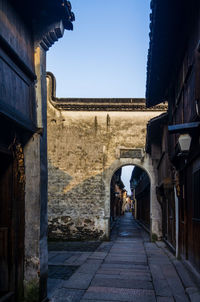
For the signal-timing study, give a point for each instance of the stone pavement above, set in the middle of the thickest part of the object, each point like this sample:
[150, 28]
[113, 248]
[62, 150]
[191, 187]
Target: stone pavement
[128, 268]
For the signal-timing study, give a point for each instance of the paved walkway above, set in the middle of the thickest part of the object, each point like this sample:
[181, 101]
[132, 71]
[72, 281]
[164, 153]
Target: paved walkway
[128, 268]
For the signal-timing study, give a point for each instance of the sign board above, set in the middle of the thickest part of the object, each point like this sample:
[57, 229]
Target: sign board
[131, 153]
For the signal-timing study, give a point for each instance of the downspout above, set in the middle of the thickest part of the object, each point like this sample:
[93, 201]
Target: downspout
[177, 222]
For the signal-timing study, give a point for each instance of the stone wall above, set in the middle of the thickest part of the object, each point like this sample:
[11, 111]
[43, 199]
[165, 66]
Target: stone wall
[82, 145]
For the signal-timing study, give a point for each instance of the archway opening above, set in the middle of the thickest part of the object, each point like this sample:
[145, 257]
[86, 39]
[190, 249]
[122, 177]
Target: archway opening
[130, 193]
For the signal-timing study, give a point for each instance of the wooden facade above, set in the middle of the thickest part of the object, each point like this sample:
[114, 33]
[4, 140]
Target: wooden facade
[116, 195]
[18, 122]
[140, 186]
[12, 219]
[157, 147]
[23, 142]
[177, 80]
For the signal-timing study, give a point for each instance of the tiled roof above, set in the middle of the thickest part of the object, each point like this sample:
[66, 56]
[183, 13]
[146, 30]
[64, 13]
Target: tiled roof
[169, 27]
[99, 104]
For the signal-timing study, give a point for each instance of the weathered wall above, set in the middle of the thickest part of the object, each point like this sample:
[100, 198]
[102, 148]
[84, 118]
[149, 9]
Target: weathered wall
[35, 155]
[81, 147]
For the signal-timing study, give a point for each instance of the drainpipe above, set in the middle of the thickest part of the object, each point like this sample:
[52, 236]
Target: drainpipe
[177, 222]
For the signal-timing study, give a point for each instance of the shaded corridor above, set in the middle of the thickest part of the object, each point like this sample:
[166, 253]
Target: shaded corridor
[128, 268]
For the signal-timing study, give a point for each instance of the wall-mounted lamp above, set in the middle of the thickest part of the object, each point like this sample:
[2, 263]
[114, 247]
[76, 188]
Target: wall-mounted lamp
[184, 141]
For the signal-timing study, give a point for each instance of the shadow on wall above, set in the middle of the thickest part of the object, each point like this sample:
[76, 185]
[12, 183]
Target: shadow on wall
[77, 214]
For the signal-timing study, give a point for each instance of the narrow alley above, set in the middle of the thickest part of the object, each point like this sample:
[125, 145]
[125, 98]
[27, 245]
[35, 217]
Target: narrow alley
[128, 268]
[120, 91]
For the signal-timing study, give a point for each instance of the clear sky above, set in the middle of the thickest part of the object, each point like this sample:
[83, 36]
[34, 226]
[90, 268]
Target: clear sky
[126, 176]
[106, 53]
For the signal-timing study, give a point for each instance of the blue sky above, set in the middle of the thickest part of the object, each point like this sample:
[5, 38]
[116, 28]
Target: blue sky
[106, 53]
[126, 176]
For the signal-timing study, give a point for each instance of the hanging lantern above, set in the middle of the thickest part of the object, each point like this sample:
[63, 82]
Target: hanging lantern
[184, 141]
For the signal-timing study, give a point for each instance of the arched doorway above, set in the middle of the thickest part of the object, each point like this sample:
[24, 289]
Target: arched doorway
[130, 192]
[155, 210]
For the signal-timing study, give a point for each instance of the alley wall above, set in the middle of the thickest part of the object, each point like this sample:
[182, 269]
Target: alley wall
[81, 146]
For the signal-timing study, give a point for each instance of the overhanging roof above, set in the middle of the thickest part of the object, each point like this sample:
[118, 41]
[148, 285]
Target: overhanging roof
[41, 13]
[155, 130]
[169, 28]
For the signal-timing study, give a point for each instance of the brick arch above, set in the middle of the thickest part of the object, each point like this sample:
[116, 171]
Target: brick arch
[155, 209]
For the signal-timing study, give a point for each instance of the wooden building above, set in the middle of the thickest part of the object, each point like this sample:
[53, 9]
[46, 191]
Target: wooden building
[140, 187]
[27, 30]
[116, 195]
[173, 75]
[157, 145]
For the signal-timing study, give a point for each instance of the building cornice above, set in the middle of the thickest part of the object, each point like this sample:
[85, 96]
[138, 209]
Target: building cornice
[52, 19]
[115, 104]
[98, 104]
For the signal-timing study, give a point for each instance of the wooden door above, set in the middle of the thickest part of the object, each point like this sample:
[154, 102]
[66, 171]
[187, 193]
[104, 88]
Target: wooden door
[193, 213]
[6, 200]
[11, 229]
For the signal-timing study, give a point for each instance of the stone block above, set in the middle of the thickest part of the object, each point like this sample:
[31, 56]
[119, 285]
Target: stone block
[165, 299]
[193, 293]
[162, 288]
[119, 294]
[121, 283]
[52, 285]
[183, 274]
[67, 295]
[78, 281]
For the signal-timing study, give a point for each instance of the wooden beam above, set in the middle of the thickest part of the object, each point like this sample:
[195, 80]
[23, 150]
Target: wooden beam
[11, 114]
[16, 58]
[183, 128]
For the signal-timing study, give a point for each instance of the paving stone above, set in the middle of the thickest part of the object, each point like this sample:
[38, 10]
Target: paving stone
[112, 258]
[125, 266]
[61, 272]
[59, 258]
[165, 299]
[80, 259]
[98, 255]
[84, 246]
[78, 281]
[194, 297]
[121, 283]
[89, 267]
[129, 272]
[128, 263]
[181, 298]
[150, 245]
[67, 295]
[173, 281]
[104, 247]
[51, 255]
[156, 271]
[119, 271]
[160, 244]
[160, 261]
[122, 252]
[83, 300]
[119, 294]
[53, 284]
[72, 259]
[162, 288]
[133, 276]
[183, 274]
